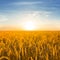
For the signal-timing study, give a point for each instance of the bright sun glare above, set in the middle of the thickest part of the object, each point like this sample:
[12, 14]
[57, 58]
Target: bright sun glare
[29, 25]
[29, 22]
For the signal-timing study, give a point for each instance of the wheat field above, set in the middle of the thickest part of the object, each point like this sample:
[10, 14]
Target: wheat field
[29, 45]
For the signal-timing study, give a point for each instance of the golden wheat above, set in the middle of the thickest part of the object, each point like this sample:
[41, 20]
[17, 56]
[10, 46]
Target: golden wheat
[30, 45]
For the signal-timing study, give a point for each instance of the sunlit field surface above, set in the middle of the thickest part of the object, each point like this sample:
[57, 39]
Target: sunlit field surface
[29, 45]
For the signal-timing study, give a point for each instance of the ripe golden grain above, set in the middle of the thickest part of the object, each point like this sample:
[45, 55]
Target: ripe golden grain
[26, 45]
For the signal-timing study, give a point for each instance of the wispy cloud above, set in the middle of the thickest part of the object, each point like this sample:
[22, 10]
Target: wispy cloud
[27, 3]
[3, 18]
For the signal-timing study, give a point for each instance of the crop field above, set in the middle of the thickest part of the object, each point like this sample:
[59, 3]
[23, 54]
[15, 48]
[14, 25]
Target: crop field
[29, 45]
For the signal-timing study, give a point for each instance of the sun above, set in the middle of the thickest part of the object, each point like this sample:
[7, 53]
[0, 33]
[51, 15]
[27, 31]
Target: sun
[29, 25]
[30, 22]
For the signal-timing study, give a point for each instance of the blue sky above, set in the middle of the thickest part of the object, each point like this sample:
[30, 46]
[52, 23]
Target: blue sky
[12, 10]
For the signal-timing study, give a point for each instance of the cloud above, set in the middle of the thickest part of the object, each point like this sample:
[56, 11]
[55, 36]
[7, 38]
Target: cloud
[26, 3]
[29, 15]
[3, 18]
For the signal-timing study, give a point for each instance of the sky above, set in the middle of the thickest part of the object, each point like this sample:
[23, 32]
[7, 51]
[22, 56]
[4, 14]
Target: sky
[45, 14]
